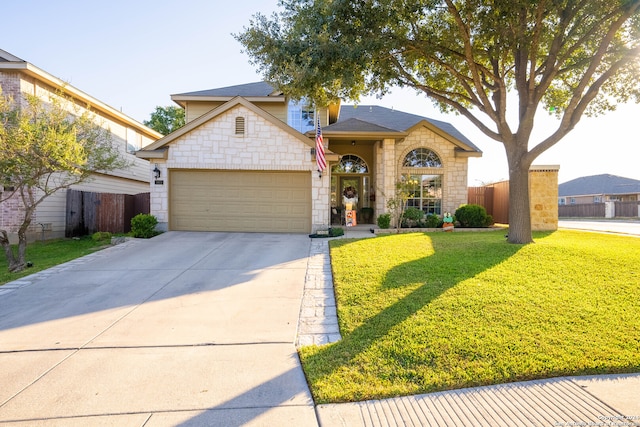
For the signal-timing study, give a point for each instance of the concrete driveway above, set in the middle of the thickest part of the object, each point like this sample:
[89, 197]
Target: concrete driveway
[181, 329]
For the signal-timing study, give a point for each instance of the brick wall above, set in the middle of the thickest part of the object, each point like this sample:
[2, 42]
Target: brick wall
[11, 212]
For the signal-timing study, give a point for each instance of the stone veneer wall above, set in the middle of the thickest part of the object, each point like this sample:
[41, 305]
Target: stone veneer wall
[264, 146]
[454, 170]
[543, 197]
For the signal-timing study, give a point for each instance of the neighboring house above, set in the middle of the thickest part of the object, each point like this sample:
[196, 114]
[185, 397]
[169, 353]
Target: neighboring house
[598, 189]
[18, 77]
[244, 162]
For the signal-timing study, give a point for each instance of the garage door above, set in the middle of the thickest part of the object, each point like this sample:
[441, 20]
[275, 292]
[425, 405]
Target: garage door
[252, 201]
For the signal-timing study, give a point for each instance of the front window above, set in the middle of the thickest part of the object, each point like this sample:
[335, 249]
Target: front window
[300, 116]
[425, 192]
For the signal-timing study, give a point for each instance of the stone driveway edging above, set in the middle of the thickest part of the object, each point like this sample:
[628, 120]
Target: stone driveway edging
[318, 320]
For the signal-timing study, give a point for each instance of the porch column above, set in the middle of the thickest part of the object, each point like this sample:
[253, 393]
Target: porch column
[385, 173]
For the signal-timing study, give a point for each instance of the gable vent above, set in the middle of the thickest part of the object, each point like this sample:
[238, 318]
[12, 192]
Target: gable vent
[240, 126]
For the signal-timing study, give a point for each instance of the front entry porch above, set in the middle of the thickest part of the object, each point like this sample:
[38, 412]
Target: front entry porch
[352, 192]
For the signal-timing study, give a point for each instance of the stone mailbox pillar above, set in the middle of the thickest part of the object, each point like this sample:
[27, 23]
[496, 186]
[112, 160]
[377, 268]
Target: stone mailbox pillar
[543, 197]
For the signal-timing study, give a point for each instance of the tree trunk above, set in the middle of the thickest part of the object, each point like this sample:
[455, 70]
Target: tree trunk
[15, 264]
[519, 210]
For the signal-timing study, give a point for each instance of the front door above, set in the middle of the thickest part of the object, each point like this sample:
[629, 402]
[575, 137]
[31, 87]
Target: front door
[350, 192]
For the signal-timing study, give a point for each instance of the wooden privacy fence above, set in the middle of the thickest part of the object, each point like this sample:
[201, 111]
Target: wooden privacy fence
[89, 212]
[598, 210]
[628, 209]
[585, 210]
[494, 198]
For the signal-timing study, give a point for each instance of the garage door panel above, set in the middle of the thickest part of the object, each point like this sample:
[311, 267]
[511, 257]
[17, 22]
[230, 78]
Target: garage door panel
[240, 201]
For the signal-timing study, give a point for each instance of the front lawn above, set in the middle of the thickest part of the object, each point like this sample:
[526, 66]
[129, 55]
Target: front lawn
[426, 312]
[49, 253]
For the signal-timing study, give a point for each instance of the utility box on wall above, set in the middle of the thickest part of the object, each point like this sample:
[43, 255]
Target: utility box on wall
[543, 197]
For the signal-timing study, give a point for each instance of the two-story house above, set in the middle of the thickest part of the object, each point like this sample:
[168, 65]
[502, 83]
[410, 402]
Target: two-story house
[245, 161]
[19, 77]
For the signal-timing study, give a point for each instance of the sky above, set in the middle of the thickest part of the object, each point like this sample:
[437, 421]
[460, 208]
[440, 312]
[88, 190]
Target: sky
[133, 55]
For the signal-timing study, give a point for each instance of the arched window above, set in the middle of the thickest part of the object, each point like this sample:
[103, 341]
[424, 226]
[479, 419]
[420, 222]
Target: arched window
[350, 164]
[422, 158]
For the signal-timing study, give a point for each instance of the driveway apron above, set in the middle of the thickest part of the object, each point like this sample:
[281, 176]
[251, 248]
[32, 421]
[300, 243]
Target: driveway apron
[182, 329]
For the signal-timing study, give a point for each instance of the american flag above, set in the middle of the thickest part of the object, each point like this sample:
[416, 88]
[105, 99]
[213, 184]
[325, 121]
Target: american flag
[320, 159]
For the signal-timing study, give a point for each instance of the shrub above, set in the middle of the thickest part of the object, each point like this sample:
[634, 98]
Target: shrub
[432, 221]
[144, 225]
[101, 235]
[473, 216]
[384, 220]
[413, 214]
[412, 217]
[336, 231]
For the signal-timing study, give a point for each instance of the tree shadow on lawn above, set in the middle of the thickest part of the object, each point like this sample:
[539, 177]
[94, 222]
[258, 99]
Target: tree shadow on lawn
[456, 258]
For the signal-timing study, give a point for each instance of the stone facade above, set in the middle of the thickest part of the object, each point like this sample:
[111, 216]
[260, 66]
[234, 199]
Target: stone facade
[210, 142]
[543, 197]
[454, 169]
[390, 155]
[263, 147]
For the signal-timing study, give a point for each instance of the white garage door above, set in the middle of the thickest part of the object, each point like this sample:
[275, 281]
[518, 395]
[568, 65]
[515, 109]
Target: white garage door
[250, 201]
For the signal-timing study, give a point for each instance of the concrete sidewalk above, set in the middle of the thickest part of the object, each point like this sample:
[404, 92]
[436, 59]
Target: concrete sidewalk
[605, 400]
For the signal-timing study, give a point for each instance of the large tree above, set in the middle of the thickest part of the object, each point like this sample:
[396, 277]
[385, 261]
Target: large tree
[45, 147]
[499, 63]
[166, 119]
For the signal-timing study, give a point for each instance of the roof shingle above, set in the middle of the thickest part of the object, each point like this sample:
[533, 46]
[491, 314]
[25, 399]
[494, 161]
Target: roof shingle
[599, 184]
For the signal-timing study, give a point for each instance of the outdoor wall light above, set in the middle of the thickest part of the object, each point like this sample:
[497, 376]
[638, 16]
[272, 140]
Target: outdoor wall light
[156, 171]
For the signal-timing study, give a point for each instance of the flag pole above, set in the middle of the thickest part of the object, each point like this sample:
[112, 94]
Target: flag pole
[321, 161]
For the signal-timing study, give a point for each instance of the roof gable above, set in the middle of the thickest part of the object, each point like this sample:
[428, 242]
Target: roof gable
[401, 122]
[599, 184]
[211, 115]
[7, 57]
[359, 121]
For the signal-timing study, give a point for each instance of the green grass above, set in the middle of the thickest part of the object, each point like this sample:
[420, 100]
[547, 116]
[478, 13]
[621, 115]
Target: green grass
[426, 312]
[49, 253]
